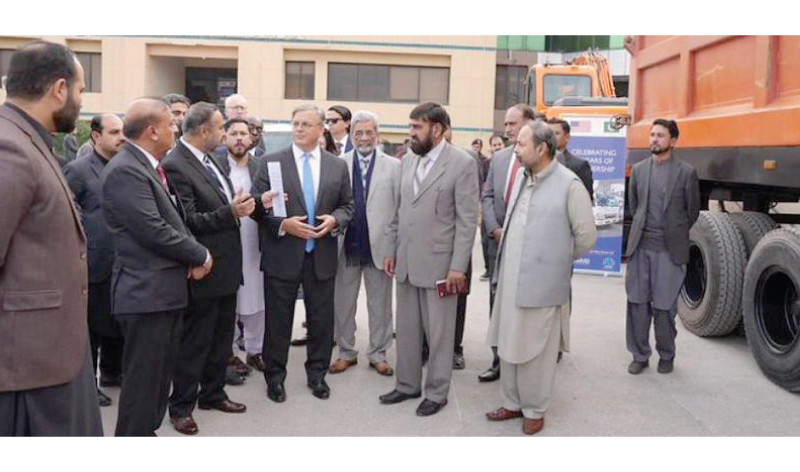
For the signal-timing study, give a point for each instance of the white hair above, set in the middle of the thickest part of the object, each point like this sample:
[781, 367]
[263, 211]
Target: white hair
[363, 116]
[232, 97]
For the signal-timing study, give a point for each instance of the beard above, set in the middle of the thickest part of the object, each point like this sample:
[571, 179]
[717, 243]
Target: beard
[657, 150]
[365, 150]
[238, 151]
[421, 148]
[66, 118]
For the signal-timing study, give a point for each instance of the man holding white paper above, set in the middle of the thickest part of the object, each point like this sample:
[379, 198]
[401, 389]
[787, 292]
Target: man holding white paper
[301, 248]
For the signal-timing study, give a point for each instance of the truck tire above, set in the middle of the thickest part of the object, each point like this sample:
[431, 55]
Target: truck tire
[752, 225]
[772, 307]
[710, 300]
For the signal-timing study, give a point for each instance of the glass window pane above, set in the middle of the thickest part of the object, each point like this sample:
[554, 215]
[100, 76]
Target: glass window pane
[500, 88]
[342, 82]
[299, 83]
[404, 84]
[97, 73]
[307, 80]
[373, 83]
[558, 86]
[434, 84]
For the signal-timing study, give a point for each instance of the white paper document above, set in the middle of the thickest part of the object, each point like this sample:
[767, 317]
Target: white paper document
[276, 184]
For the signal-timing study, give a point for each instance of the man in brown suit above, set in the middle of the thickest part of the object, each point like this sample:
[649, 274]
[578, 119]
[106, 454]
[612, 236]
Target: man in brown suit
[46, 382]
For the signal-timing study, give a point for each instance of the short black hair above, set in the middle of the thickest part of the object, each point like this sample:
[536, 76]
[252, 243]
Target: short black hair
[671, 125]
[36, 66]
[171, 98]
[342, 110]
[233, 121]
[497, 135]
[558, 121]
[97, 123]
[198, 115]
[477, 141]
[431, 112]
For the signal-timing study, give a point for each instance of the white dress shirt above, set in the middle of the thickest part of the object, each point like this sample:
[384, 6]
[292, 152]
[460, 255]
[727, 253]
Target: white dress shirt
[200, 155]
[343, 145]
[315, 165]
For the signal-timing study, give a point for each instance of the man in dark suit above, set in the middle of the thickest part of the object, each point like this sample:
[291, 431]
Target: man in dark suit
[579, 166]
[664, 198]
[46, 382]
[178, 106]
[212, 214]
[302, 248]
[494, 200]
[83, 176]
[337, 120]
[155, 253]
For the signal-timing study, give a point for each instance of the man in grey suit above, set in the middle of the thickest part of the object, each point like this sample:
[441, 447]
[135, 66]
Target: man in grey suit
[83, 176]
[496, 191]
[46, 382]
[155, 253]
[579, 166]
[664, 198]
[376, 195]
[435, 230]
[302, 248]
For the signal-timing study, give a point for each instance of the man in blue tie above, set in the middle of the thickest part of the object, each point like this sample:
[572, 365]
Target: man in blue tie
[301, 247]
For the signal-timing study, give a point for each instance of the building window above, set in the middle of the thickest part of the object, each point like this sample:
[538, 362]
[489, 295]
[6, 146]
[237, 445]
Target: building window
[299, 80]
[377, 83]
[92, 70]
[560, 86]
[575, 43]
[5, 62]
[509, 86]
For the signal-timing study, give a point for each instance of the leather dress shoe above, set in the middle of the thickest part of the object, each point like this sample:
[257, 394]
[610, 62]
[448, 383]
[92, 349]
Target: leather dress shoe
[226, 406]
[299, 341]
[665, 366]
[256, 361]
[530, 426]
[490, 375]
[560, 355]
[636, 367]
[110, 380]
[382, 367]
[102, 398]
[185, 425]
[232, 377]
[396, 396]
[341, 365]
[501, 414]
[276, 393]
[241, 368]
[428, 407]
[320, 389]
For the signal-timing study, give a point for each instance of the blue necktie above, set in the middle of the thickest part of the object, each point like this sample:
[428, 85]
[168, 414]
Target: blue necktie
[308, 194]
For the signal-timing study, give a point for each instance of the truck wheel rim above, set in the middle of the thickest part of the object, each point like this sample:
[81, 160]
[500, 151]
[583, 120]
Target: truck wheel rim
[777, 309]
[694, 285]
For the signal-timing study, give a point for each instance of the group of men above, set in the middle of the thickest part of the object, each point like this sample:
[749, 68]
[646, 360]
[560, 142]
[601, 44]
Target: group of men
[187, 229]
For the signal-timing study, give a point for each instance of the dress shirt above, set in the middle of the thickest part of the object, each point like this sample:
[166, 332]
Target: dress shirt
[315, 165]
[201, 157]
[434, 153]
[342, 145]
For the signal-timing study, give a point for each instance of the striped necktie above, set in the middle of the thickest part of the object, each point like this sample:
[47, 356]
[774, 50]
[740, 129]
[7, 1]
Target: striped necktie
[212, 174]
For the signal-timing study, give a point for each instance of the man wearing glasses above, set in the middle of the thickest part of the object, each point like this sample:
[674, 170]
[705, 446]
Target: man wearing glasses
[337, 121]
[301, 247]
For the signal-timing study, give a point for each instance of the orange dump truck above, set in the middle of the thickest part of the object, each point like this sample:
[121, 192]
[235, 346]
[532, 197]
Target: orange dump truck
[737, 103]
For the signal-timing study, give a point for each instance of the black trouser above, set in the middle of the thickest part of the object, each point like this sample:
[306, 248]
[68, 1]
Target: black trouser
[62, 410]
[203, 354]
[485, 247]
[148, 363]
[104, 332]
[492, 248]
[461, 314]
[281, 296]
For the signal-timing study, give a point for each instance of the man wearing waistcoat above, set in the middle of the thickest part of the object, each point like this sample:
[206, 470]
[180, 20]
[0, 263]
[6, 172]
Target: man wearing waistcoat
[550, 224]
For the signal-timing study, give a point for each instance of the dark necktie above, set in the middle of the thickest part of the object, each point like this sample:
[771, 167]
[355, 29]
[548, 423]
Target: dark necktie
[212, 174]
[162, 176]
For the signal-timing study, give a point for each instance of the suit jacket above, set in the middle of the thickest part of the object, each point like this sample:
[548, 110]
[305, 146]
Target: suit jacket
[383, 201]
[210, 219]
[682, 207]
[493, 199]
[436, 228]
[580, 167]
[154, 247]
[43, 273]
[282, 256]
[83, 177]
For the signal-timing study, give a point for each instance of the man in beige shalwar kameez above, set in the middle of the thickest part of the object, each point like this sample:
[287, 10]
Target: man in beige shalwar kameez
[550, 224]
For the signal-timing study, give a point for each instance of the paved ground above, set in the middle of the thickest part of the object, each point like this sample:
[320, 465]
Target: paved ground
[715, 390]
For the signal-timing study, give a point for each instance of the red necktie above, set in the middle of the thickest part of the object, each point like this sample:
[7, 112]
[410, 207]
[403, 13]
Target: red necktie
[163, 177]
[514, 169]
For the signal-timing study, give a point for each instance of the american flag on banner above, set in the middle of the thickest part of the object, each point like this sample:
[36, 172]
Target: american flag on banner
[580, 126]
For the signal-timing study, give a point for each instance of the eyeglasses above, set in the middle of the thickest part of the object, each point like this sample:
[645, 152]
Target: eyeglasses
[332, 121]
[305, 125]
